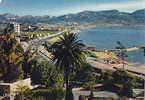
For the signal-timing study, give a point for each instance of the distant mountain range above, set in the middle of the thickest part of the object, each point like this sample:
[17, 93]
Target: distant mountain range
[95, 17]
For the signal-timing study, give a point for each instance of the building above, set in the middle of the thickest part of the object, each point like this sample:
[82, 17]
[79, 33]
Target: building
[16, 27]
[8, 91]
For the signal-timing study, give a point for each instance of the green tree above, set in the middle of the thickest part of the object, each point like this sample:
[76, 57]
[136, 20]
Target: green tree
[84, 74]
[125, 82]
[107, 79]
[28, 63]
[67, 55]
[10, 57]
[121, 54]
[47, 75]
[119, 81]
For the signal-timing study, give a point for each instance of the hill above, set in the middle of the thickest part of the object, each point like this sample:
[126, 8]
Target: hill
[96, 17]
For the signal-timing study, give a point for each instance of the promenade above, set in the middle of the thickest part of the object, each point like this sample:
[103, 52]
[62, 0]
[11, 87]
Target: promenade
[135, 68]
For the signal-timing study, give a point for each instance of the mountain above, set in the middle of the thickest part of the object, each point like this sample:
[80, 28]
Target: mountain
[105, 17]
[139, 16]
[96, 17]
[110, 16]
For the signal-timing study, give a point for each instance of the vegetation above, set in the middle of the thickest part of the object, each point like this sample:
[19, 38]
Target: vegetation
[42, 94]
[50, 80]
[11, 57]
[119, 81]
[15, 64]
[121, 55]
[84, 74]
[68, 67]
[90, 54]
[67, 53]
[82, 97]
[28, 63]
[47, 75]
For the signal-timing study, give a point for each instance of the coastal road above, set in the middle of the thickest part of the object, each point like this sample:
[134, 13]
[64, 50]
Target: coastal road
[136, 69]
[97, 64]
[37, 42]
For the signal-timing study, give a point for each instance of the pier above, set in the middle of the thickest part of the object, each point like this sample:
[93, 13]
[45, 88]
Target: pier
[118, 50]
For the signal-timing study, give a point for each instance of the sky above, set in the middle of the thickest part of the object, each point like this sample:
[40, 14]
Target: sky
[61, 7]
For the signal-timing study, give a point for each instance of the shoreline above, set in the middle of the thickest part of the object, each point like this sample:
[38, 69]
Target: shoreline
[89, 26]
[112, 62]
[93, 26]
[108, 60]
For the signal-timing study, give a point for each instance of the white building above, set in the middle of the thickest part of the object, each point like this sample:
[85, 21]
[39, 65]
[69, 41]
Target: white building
[16, 27]
[10, 90]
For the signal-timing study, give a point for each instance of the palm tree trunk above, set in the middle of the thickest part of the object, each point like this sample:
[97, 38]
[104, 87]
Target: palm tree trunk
[67, 83]
[67, 88]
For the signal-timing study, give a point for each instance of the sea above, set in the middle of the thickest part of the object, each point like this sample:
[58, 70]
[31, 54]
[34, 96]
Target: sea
[105, 37]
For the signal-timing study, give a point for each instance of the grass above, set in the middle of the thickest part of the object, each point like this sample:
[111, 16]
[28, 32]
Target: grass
[90, 54]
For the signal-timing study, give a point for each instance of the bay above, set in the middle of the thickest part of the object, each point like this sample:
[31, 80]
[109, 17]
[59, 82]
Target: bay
[105, 37]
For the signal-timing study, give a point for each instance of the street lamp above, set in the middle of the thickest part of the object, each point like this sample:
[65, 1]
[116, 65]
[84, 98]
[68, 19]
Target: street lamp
[144, 78]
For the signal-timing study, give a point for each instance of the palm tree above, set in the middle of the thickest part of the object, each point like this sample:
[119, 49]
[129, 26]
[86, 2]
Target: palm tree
[67, 55]
[121, 55]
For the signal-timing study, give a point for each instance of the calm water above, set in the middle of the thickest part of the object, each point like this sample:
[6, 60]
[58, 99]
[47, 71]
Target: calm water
[106, 37]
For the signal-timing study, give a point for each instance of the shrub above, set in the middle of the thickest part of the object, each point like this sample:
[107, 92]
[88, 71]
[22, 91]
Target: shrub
[89, 86]
[119, 81]
[90, 54]
[43, 94]
[85, 74]
[82, 97]
[47, 75]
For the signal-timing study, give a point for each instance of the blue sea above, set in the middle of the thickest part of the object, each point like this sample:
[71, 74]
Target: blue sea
[105, 37]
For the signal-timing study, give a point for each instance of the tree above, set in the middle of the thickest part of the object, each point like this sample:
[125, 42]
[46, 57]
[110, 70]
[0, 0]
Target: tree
[28, 63]
[67, 55]
[121, 54]
[127, 90]
[84, 74]
[121, 82]
[10, 56]
[47, 75]
[125, 81]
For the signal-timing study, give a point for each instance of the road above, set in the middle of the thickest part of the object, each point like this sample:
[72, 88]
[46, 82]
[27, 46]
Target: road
[97, 64]
[40, 41]
[137, 69]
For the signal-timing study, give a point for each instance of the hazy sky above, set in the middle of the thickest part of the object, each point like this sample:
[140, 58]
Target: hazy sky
[59, 7]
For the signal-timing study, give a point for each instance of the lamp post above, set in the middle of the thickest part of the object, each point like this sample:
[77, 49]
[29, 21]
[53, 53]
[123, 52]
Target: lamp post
[144, 77]
[144, 89]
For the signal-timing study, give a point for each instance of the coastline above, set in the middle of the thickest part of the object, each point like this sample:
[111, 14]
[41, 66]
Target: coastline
[85, 27]
[108, 60]
[90, 25]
